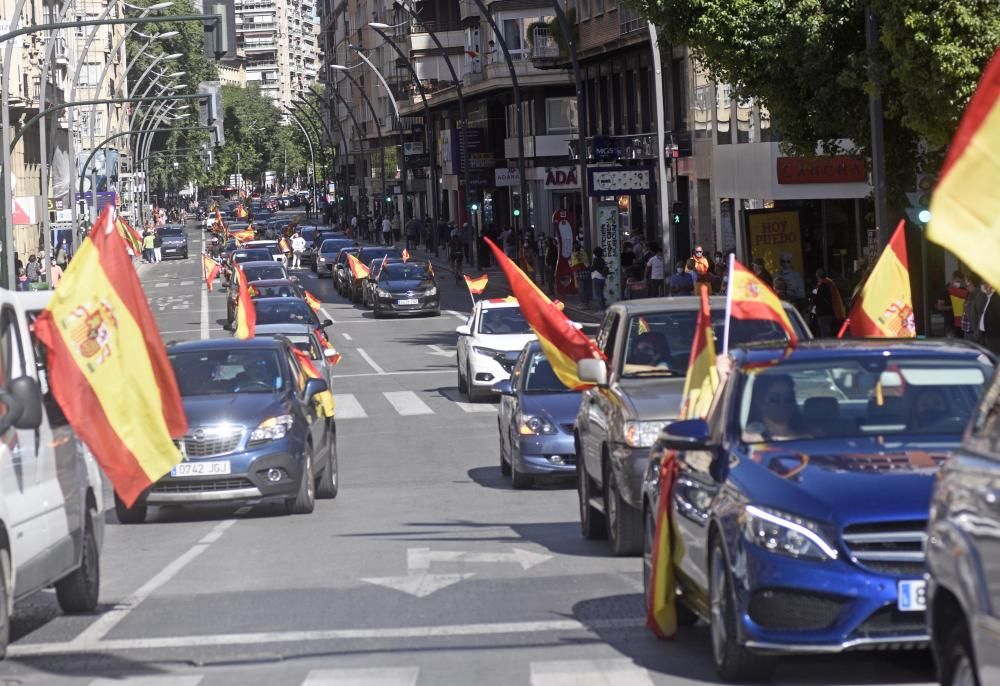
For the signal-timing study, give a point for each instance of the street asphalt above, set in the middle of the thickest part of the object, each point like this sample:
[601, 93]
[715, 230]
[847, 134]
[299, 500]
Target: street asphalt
[426, 569]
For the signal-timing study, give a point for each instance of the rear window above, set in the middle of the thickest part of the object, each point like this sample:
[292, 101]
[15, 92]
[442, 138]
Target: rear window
[405, 271]
[170, 231]
[264, 272]
[285, 311]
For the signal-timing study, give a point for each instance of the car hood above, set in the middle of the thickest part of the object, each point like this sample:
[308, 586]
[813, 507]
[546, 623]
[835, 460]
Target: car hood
[174, 240]
[844, 481]
[560, 408]
[247, 409]
[507, 342]
[407, 285]
[652, 397]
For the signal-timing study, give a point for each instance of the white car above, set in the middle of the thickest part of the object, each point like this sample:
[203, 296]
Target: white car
[488, 345]
[271, 246]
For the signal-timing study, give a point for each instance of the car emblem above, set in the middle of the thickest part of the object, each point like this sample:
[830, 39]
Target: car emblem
[199, 435]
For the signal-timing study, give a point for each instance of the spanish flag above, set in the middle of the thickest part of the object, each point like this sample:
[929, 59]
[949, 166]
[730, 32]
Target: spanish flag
[219, 224]
[116, 386]
[965, 206]
[313, 301]
[406, 255]
[210, 269]
[884, 307]
[243, 236]
[334, 359]
[324, 401]
[246, 312]
[358, 270]
[283, 245]
[699, 388]
[476, 285]
[132, 238]
[563, 344]
[749, 298]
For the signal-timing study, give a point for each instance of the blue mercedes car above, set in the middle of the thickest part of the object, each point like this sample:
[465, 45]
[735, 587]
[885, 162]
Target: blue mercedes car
[535, 421]
[801, 504]
[254, 429]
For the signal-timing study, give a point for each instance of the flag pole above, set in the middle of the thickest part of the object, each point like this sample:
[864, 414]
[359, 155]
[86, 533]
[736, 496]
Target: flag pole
[843, 329]
[729, 306]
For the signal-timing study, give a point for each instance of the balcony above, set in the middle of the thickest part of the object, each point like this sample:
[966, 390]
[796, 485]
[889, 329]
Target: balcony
[545, 52]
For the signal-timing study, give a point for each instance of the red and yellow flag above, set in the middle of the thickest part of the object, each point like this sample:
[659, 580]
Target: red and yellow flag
[132, 238]
[406, 255]
[219, 226]
[313, 301]
[243, 235]
[884, 307]
[476, 285]
[324, 401]
[965, 206]
[700, 385]
[563, 344]
[283, 245]
[209, 269]
[246, 312]
[358, 270]
[750, 298]
[334, 359]
[116, 386]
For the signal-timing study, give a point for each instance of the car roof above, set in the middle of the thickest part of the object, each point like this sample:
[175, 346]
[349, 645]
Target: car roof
[261, 243]
[284, 329]
[680, 303]
[267, 283]
[832, 348]
[227, 344]
[497, 303]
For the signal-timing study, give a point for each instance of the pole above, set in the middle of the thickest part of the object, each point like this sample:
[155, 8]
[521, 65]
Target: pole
[879, 191]
[319, 144]
[347, 153]
[309, 142]
[661, 143]
[6, 183]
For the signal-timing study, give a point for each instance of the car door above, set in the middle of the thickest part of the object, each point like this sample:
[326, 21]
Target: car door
[462, 346]
[595, 405]
[510, 405]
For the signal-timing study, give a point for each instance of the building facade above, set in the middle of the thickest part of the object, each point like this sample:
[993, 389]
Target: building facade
[279, 39]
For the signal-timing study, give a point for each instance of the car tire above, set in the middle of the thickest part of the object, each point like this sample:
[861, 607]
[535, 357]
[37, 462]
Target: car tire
[4, 604]
[79, 591]
[328, 481]
[518, 481]
[463, 387]
[959, 668]
[129, 515]
[624, 522]
[305, 501]
[470, 388]
[733, 662]
[682, 613]
[592, 523]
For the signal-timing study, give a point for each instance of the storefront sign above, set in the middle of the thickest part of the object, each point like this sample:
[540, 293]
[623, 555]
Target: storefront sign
[609, 238]
[562, 177]
[563, 228]
[506, 177]
[478, 152]
[605, 149]
[413, 148]
[775, 235]
[835, 169]
[616, 180]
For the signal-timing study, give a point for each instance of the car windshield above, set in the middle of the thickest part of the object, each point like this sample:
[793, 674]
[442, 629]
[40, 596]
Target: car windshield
[404, 271]
[262, 272]
[285, 311]
[334, 244]
[503, 320]
[170, 231]
[221, 372]
[860, 396]
[251, 256]
[659, 343]
[282, 290]
[308, 233]
[540, 378]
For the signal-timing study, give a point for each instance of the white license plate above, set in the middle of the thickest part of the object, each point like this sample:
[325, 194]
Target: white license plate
[911, 596]
[407, 301]
[211, 468]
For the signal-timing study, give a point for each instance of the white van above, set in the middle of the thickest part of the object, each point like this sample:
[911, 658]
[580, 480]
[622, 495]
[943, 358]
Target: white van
[51, 498]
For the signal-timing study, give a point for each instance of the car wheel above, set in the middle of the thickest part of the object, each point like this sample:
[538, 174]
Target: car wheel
[78, 592]
[624, 521]
[733, 662]
[959, 668]
[129, 515]
[462, 387]
[683, 615]
[518, 481]
[305, 501]
[327, 483]
[592, 524]
[470, 389]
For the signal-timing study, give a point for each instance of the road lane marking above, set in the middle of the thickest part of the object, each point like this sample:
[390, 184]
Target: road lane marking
[214, 640]
[327, 314]
[348, 407]
[204, 313]
[438, 350]
[158, 680]
[475, 408]
[376, 676]
[110, 619]
[162, 284]
[453, 313]
[347, 336]
[612, 672]
[368, 358]
[186, 283]
[407, 403]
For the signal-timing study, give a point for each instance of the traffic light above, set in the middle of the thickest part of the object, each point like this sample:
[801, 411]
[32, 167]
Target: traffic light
[677, 213]
[475, 206]
[517, 212]
[517, 205]
[919, 210]
[388, 198]
[474, 201]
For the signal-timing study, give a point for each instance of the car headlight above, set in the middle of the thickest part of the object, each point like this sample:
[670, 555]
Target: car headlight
[786, 534]
[531, 425]
[273, 428]
[431, 292]
[643, 434]
[322, 259]
[382, 293]
[487, 352]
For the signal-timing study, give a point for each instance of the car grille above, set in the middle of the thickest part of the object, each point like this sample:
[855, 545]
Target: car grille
[208, 442]
[201, 486]
[889, 548]
[890, 621]
[784, 610]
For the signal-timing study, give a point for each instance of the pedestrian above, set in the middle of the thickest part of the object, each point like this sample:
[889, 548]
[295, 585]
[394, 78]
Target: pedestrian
[412, 232]
[508, 243]
[701, 265]
[760, 270]
[551, 262]
[951, 303]
[395, 226]
[354, 226]
[32, 269]
[286, 249]
[57, 271]
[795, 287]
[387, 231]
[989, 322]
[655, 271]
[682, 280]
[598, 277]
[309, 207]
[157, 246]
[828, 306]
[974, 306]
[22, 280]
[467, 241]
[298, 247]
[579, 263]
[147, 246]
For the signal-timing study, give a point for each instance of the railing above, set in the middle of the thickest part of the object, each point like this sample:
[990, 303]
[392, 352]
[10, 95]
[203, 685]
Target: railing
[544, 45]
[629, 20]
[640, 146]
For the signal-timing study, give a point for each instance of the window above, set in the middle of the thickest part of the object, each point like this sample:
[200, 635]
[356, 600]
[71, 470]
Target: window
[90, 72]
[560, 115]
[723, 114]
[704, 103]
[744, 122]
[598, 7]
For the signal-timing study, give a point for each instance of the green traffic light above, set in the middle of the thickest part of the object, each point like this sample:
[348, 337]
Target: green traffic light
[517, 212]
[475, 207]
[924, 216]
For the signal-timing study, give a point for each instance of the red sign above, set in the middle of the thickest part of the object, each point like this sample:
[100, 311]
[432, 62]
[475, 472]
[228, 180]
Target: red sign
[836, 169]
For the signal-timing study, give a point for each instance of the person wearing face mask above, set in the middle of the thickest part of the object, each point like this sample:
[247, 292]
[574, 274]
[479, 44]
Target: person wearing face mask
[951, 303]
[682, 282]
[774, 413]
[701, 265]
[761, 271]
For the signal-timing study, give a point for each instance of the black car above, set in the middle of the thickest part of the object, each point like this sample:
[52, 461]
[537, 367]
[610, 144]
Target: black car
[406, 288]
[341, 271]
[287, 310]
[254, 432]
[277, 288]
[174, 241]
[367, 256]
[254, 271]
[324, 257]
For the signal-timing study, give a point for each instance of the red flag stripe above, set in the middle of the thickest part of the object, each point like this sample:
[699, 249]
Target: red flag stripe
[984, 99]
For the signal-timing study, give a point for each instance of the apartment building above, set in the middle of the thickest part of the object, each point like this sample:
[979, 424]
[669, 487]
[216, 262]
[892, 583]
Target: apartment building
[280, 41]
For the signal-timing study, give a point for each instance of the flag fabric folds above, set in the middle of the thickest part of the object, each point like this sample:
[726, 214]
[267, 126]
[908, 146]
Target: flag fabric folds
[358, 270]
[406, 255]
[700, 385]
[750, 298]
[324, 401]
[562, 342]
[313, 301]
[243, 235]
[210, 269]
[246, 312]
[476, 285]
[884, 306]
[965, 205]
[116, 385]
[334, 359]
[132, 237]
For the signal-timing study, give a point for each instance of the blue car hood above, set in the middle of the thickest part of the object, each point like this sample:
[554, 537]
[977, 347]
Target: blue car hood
[560, 408]
[843, 481]
[247, 409]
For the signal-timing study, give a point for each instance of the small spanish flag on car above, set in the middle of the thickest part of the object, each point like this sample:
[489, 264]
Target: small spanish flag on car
[210, 269]
[750, 298]
[313, 301]
[324, 401]
[246, 312]
[333, 359]
[358, 269]
[406, 255]
[476, 285]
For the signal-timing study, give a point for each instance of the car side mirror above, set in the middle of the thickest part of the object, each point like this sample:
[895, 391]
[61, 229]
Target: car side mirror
[314, 387]
[463, 330]
[12, 413]
[504, 387]
[687, 434]
[592, 370]
[329, 352]
[326, 323]
[29, 396]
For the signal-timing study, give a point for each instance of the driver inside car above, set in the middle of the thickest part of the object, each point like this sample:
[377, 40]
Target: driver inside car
[650, 350]
[258, 375]
[773, 411]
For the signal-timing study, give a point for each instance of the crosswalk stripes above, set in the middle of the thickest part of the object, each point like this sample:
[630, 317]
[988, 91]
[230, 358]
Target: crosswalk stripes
[612, 672]
[473, 408]
[377, 676]
[407, 403]
[348, 407]
[151, 680]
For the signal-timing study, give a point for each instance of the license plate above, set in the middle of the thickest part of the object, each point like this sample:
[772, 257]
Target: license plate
[407, 301]
[211, 468]
[911, 595]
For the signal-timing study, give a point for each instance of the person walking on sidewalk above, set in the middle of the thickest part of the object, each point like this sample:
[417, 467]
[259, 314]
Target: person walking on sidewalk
[455, 255]
[298, 247]
[580, 265]
[386, 231]
[157, 246]
[147, 246]
[654, 271]
[682, 282]
[598, 276]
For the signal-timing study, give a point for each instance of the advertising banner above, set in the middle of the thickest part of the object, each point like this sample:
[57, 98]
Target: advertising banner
[775, 237]
[609, 238]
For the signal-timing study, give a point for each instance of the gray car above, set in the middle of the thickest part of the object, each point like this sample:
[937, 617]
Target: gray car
[174, 241]
[647, 344]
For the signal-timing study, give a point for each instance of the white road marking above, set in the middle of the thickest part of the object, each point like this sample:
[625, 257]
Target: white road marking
[377, 676]
[158, 680]
[419, 584]
[327, 314]
[348, 407]
[204, 313]
[368, 358]
[476, 408]
[421, 558]
[110, 619]
[347, 336]
[186, 283]
[405, 373]
[177, 331]
[162, 284]
[453, 313]
[212, 640]
[612, 672]
[407, 403]
[438, 350]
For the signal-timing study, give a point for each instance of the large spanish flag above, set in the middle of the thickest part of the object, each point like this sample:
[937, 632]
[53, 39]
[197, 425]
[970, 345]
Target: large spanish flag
[476, 285]
[563, 344]
[116, 386]
[358, 269]
[750, 298]
[246, 312]
[884, 307]
[965, 206]
[699, 388]
[243, 235]
[313, 300]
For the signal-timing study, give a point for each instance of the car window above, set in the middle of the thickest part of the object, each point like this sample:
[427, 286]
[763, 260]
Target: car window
[261, 273]
[298, 377]
[608, 334]
[219, 372]
[539, 377]
[170, 231]
[284, 311]
[503, 320]
[404, 271]
[282, 291]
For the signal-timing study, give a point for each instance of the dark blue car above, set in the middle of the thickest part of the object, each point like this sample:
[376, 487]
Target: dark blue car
[802, 502]
[535, 421]
[254, 429]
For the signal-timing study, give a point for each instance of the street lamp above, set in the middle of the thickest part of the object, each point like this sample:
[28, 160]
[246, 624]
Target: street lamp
[347, 146]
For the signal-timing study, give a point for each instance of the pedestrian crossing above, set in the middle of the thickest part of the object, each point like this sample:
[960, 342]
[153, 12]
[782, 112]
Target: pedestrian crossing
[405, 404]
